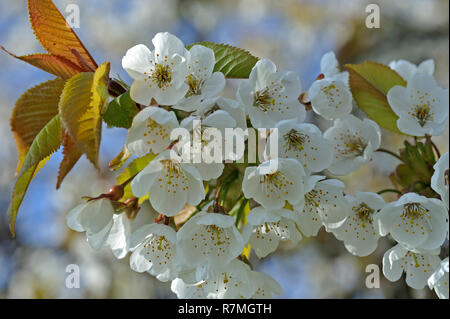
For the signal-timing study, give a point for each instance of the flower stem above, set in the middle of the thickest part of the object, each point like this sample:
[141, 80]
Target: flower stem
[389, 190]
[128, 180]
[390, 153]
[436, 149]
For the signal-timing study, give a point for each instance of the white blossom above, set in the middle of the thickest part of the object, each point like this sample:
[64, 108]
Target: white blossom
[354, 142]
[322, 205]
[209, 240]
[270, 95]
[417, 265]
[407, 69]
[422, 107]
[329, 67]
[155, 251]
[203, 83]
[266, 228]
[170, 182]
[230, 108]
[150, 131]
[266, 286]
[274, 182]
[232, 281]
[159, 74]
[123, 227]
[208, 123]
[414, 221]
[330, 96]
[359, 232]
[439, 280]
[95, 218]
[303, 142]
[439, 180]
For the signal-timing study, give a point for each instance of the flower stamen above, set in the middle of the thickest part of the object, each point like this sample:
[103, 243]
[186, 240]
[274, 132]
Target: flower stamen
[162, 75]
[295, 140]
[263, 100]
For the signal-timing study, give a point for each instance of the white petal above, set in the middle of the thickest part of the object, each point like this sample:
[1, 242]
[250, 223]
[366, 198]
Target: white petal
[137, 62]
[97, 215]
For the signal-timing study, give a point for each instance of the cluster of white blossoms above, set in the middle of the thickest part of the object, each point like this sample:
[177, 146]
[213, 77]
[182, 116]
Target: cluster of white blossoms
[283, 197]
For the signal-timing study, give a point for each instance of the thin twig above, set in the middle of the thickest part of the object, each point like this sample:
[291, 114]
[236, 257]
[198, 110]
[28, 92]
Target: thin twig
[438, 153]
[389, 190]
[390, 153]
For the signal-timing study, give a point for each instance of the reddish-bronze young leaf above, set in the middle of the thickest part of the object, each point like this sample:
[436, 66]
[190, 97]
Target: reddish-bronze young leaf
[52, 64]
[33, 110]
[72, 154]
[54, 33]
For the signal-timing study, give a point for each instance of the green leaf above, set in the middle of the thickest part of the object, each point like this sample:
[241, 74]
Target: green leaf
[121, 111]
[135, 167]
[45, 144]
[231, 61]
[370, 82]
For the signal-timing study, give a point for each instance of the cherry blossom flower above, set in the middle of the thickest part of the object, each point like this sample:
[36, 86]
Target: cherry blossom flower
[322, 205]
[208, 124]
[422, 107]
[123, 226]
[439, 280]
[159, 74]
[150, 131]
[232, 281]
[209, 240]
[154, 250]
[274, 182]
[359, 232]
[171, 183]
[305, 143]
[207, 111]
[95, 218]
[330, 96]
[417, 265]
[203, 83]
[188, 291]
[329, 67]
[439, 180]
[266, 228]
[407, 69]
[266, 286]
[354, 142]
[414, 221]
[270, 95]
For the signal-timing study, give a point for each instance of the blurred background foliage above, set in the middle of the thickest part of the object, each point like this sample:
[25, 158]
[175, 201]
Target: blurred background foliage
[294, 34]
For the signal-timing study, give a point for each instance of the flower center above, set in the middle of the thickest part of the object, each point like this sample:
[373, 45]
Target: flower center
[423, 114]
[263, 100]
[295, 140]
[174, 174]
[413, 211]
[311, 198]
[162, 75]
[162, 240]
[353, 146]
[217, 234]
[276, 179]
[195, 85]
[364, 213]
